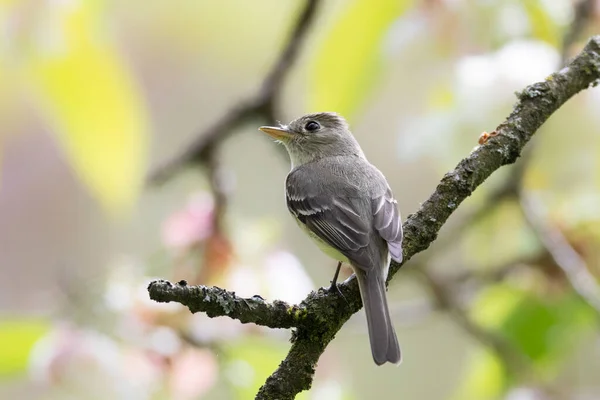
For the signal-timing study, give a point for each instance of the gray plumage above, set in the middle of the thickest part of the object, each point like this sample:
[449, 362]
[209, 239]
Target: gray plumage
[346, 205]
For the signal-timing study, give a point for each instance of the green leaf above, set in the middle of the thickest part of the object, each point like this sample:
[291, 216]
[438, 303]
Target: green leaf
[347, 63]
[17, 337]
[544, 329]
[91, 102]
[528, 326]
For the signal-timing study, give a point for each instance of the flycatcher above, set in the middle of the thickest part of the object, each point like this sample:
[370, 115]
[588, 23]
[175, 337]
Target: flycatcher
[346, 206]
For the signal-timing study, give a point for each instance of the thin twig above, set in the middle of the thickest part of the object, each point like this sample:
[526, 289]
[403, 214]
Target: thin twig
[491, 274]
[260, 105]
[573, 265]
[582, 11]
[219, 188]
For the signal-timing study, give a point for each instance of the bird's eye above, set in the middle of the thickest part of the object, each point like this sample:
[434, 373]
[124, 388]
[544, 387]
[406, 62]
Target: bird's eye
[312, 126]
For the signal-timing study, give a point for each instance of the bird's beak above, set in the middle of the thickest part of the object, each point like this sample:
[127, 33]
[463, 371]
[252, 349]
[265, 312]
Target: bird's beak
[276, 132]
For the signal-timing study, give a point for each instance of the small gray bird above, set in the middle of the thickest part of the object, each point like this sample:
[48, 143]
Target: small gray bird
[346, 206]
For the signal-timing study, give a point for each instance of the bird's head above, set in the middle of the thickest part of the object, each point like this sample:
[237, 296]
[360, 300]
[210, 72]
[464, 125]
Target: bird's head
[315, 136]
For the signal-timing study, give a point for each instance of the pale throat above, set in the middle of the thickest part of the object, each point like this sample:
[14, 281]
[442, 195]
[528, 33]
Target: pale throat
[300, 159]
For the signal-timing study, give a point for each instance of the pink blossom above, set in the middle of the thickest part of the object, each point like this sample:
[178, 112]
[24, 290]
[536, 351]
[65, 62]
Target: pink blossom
[191, 225]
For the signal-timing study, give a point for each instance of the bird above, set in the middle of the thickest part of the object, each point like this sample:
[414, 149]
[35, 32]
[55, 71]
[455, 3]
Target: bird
[346, 206]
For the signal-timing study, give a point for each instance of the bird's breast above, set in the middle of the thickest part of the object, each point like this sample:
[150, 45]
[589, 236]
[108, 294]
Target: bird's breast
[321, 244]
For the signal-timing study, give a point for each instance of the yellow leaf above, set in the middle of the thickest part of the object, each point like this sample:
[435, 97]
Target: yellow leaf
[347, 63]
[495, 305]
[17, 337]
[91, 102]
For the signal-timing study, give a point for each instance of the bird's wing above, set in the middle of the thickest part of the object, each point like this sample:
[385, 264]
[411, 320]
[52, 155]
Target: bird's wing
[388, 223]
[335, 219]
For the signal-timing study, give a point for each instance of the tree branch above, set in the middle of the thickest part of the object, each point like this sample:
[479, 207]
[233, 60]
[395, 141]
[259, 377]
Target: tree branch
[509, 189]
[323, 314]
[261, 104]
[216, 302]
[536, 104]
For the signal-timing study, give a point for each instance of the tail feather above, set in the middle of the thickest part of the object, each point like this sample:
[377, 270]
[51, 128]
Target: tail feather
[384, 343]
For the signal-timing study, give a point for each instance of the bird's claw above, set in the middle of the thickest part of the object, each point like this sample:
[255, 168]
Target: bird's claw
[334, 288]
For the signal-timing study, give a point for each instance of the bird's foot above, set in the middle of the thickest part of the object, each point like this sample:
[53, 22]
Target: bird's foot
[334, 285]
[335, 288]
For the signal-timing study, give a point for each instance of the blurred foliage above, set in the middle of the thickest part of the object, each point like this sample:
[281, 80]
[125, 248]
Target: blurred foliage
[17, 338]
[544, 329]
[348, 62]
[88, 97]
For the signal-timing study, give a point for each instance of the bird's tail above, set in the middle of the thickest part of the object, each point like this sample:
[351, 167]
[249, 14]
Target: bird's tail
[384, 343]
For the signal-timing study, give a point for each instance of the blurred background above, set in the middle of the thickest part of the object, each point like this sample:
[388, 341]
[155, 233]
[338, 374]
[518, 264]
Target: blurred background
[95, 95]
